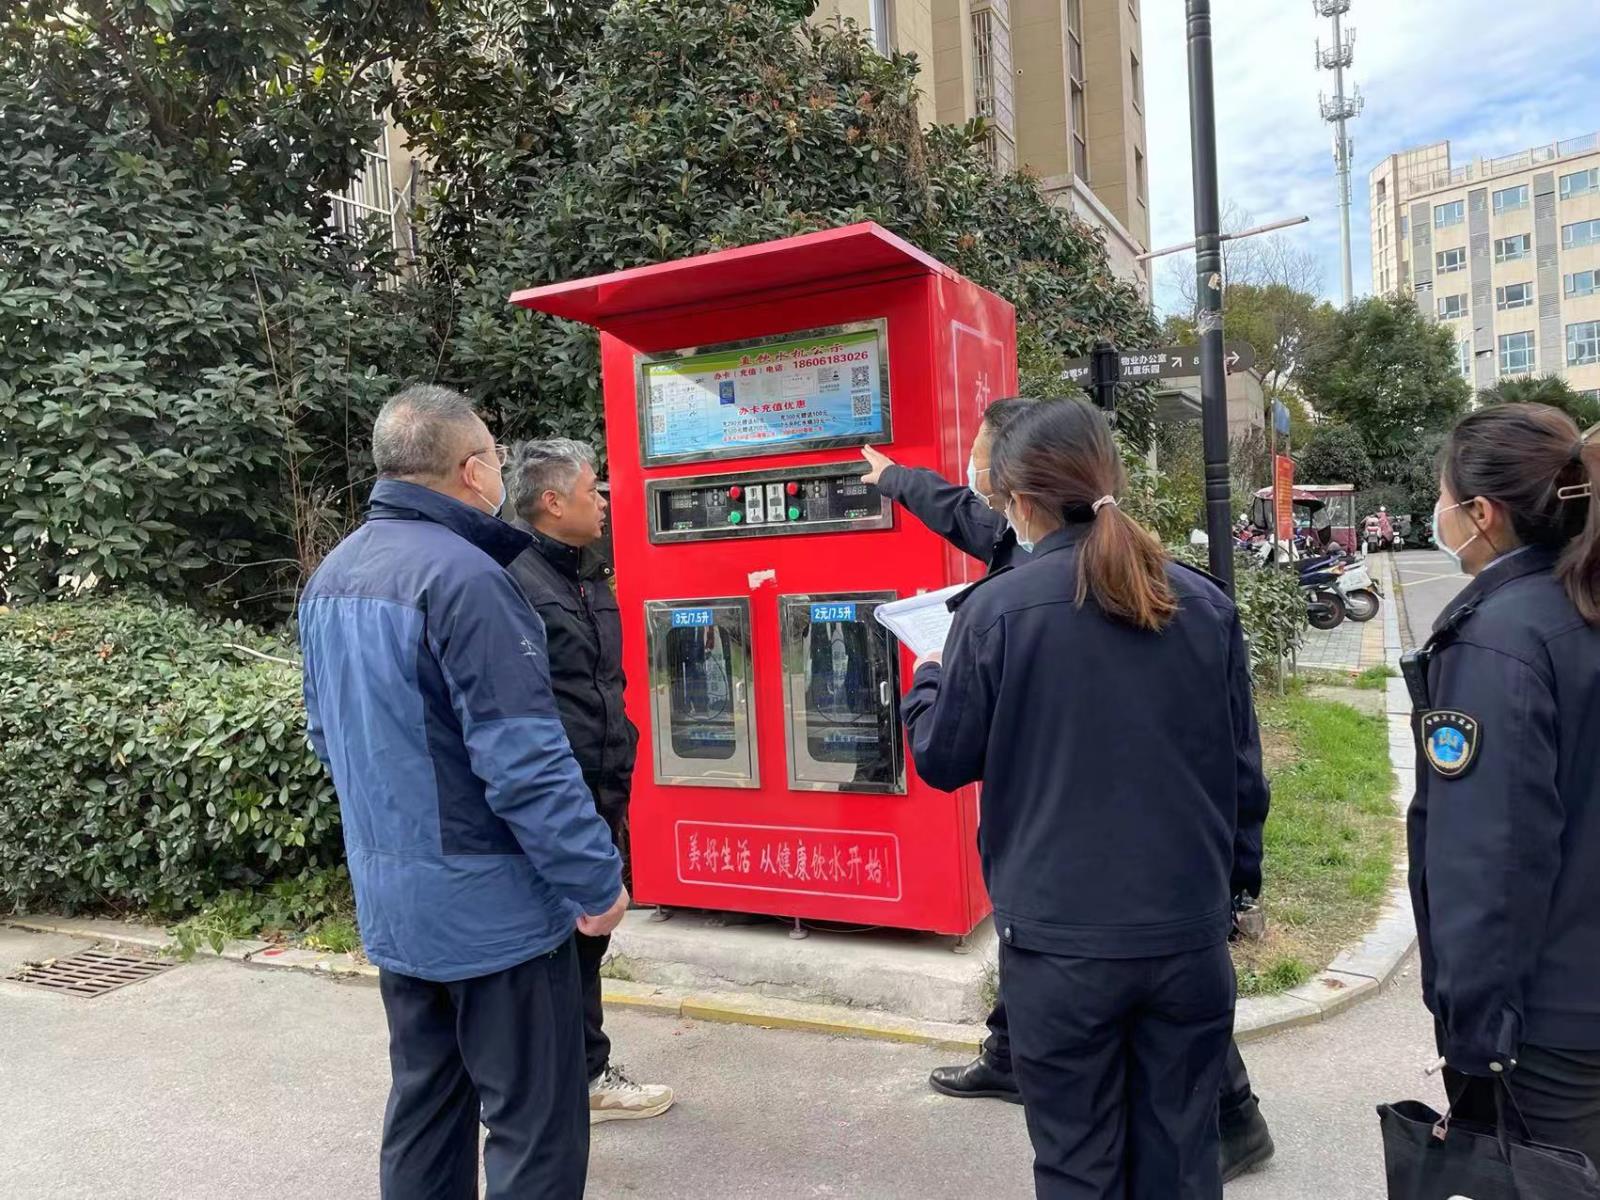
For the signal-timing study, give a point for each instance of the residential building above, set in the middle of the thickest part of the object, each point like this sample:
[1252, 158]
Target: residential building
[1505, 251]
[1061, 85]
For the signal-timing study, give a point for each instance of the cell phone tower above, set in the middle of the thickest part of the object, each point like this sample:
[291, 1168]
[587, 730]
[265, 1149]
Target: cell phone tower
[1338, 112]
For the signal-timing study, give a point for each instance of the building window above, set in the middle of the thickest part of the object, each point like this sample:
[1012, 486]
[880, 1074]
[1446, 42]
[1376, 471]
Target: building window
[368, 195]
[1447, 261]
[1137, 75]
[1383, 190]
[1405, 227]
[1516, 353]
[1581, 283]
[1510, 199]
[1510, 249]
[881, 31]
[1513, 295]
[1452, 308]
[1590, 394]
[1464, 352]
[1080, 133]
[1583, 343]
[1584, 233]
[1446, 215]
[1580, 183]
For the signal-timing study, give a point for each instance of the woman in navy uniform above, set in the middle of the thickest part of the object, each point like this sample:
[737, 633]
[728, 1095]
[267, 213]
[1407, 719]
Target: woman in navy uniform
[1102, 696]
[967, 518]
[1505, 829]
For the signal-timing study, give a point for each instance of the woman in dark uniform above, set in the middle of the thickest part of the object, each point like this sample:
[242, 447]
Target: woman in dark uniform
[1505, 829]
[1102, 696]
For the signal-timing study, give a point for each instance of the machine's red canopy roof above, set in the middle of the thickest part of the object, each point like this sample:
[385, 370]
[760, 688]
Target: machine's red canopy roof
[832, 254]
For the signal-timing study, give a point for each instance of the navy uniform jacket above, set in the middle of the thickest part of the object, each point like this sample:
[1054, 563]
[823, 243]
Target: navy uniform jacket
[1123, 797]
[1505, 855]
[955, 513]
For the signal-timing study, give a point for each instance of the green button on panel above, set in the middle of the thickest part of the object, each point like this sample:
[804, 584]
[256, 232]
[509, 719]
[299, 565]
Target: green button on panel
[735, 517]
[794, 514]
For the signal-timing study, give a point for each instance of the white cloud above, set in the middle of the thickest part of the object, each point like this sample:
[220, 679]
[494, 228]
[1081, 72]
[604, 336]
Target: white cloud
[1489, 77]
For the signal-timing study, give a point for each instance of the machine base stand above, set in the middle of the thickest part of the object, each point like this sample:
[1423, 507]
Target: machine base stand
[662, 913]
[735, 920]
[961, 946]
[799, 932]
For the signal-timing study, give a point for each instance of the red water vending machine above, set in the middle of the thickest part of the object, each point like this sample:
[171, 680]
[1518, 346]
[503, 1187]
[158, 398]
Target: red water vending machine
[750, 558]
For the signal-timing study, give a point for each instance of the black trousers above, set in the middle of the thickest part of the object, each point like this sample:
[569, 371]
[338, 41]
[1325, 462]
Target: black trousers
[506, 1048]
[1556, 1091]
[1235, 1093]
[1120, 1062]
[596, 1045]
[592, 950]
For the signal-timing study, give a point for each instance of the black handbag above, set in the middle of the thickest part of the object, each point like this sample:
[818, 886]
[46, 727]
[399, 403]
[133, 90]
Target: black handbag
[1429, 1157]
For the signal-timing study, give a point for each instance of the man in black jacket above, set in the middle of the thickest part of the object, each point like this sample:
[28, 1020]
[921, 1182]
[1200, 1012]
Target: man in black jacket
[964, 517]
[555, 497]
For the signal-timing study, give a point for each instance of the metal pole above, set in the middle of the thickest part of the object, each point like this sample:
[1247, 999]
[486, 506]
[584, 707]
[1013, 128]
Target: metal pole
[1344, 160]
[1208, 291]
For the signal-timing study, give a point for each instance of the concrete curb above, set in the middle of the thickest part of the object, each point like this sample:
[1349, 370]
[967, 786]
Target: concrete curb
[1358, 973]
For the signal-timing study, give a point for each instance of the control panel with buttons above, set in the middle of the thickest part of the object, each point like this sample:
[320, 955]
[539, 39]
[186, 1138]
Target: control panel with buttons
[816, 499]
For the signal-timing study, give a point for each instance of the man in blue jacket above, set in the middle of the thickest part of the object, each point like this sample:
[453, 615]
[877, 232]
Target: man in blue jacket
[474, 845]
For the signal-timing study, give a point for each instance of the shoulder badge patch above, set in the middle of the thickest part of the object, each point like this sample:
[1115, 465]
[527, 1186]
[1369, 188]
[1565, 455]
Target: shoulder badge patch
[1450, 741]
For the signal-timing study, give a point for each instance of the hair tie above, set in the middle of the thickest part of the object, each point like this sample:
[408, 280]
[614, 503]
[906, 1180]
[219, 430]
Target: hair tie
[1577, 451]
[1102, 502]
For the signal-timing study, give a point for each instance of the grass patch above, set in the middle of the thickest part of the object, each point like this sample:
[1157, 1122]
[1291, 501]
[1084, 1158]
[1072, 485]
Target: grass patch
[1330, 840]
[1375, 679]
[316, 910]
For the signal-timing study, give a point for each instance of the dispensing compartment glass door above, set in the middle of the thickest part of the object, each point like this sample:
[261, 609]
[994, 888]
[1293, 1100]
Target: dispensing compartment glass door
[840, 691]
[701, 703]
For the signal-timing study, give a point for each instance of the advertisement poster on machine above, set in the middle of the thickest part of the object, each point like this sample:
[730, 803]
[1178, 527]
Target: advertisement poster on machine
[854, 864]
[765, 396]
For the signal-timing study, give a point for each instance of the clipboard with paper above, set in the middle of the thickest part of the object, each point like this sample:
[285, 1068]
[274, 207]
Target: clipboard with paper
[921, 623]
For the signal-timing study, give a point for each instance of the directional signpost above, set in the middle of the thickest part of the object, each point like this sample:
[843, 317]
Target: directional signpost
[1168, 362]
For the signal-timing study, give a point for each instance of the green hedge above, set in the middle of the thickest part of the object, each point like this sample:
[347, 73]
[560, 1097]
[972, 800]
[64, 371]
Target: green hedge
[149, 760]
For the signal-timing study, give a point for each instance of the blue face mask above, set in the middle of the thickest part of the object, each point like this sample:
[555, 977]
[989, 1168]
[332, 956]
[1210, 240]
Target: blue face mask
[1023, 543]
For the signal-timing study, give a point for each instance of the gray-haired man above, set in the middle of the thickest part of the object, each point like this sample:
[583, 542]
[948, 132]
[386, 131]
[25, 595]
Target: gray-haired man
[555, 497]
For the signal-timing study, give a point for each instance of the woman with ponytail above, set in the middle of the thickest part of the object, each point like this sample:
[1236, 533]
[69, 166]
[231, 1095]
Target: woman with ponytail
[1101, 694]
[1504, 830]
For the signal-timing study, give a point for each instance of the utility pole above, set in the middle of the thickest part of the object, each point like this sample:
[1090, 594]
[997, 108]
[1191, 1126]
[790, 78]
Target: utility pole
[1208, 291]
[1339, 112]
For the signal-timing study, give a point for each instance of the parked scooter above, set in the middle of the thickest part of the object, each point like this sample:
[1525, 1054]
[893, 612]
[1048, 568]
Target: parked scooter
[1362, 594]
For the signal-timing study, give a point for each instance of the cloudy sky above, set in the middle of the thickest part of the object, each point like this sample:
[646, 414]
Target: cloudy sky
[1491, 76]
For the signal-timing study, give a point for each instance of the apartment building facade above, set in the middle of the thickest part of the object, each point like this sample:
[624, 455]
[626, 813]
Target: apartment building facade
[1060, 84]
[1504, 251]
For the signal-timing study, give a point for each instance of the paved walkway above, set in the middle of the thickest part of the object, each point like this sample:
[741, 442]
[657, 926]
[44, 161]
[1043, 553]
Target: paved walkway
[1353, 646]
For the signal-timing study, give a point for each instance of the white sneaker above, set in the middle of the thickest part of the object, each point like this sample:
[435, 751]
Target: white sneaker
[615, 1097]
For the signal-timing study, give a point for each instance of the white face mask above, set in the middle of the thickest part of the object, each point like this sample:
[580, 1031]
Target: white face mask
[1454, 553]
[494, 505]
[1023, 543]
[972, 480]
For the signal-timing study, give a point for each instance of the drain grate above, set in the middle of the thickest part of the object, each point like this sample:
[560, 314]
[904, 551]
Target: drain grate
[89, 972]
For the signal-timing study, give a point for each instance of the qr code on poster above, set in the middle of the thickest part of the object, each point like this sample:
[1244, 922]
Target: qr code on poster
[861, 404]
[658, 423]
[858, 377]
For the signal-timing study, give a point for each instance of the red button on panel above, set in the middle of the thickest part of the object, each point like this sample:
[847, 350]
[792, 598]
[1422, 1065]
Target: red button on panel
[793, 489]
[735, 492]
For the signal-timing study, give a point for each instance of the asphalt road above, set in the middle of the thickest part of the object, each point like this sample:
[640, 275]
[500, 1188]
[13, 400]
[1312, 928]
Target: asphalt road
[221, 1080]
[1430, 581]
